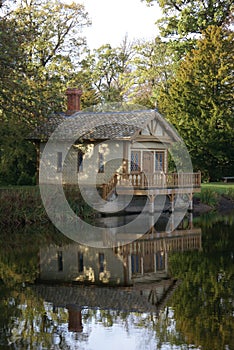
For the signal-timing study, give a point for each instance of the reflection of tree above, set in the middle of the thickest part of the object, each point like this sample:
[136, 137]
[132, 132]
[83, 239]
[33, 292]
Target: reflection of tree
[29, 322]
[166, 330]
[20, 249]
[203, 304]
[23, 318]
[7, 314]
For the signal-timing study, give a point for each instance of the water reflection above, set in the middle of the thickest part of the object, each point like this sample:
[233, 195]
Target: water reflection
[168, 289]
[142, 260]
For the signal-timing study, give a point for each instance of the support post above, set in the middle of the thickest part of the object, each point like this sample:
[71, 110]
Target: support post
[172, 219]
[190, 220]
[172, 197]
[190, 208]
[151, 203]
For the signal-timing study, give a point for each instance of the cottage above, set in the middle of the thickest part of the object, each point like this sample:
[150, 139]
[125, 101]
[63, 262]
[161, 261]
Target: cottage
[119, 151]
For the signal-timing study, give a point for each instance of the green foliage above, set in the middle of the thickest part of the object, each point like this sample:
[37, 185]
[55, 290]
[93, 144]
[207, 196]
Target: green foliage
[153, 65]
[220, 188]
[208, 197]
[40, 44]
[103, 69]
[202, 304]
[22, 206]
[229, 193]
[200, 104]
[17, 155]
[185, 17]
[77, 202]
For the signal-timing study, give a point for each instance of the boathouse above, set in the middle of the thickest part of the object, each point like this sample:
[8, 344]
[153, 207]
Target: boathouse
[119, 151]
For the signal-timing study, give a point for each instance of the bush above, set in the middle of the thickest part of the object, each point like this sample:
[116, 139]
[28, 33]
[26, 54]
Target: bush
[25, 180]
[229, 193]
[22, 206]
[209, 197]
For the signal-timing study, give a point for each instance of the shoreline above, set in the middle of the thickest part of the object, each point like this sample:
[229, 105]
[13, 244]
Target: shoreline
[25, 207]
[224, 204]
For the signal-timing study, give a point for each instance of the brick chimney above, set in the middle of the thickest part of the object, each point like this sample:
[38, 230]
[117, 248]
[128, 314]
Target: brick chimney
[73, 100]
[74, 318]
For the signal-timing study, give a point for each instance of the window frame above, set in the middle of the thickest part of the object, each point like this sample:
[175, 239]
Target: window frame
[59, 161]
[101, 261]
[80, 161]
[159, 164]
[60, 260]
[134, 166]
[80, 257]
[101, 163]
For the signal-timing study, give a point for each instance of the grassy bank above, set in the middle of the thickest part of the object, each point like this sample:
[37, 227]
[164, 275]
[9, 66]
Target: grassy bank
[23, 205]
[215, 193]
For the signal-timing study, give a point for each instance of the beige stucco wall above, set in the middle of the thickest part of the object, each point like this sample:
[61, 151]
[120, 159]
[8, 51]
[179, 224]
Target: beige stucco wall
[113, 271]
[48, 161]
[113, 153]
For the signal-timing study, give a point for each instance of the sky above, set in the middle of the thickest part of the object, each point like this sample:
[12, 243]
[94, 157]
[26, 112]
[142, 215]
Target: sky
[113, 19]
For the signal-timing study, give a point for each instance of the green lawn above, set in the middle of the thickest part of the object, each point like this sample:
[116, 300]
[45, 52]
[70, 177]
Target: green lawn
[211, 192]
[219, 187]
[17, 187]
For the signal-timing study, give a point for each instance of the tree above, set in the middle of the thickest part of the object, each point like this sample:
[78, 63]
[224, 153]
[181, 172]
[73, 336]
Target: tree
[183, 17]
[103, 70]
[151, 67]
[200, 102]
[40, 43]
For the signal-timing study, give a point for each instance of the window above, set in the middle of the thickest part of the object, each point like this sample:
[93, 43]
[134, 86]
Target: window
[80, 262]
[135, 160]
[101, 262]
[100, 162]
[79, 161]
[160, 261]
[135, 262]
[59, 161]
[159, 161]
[60, 260]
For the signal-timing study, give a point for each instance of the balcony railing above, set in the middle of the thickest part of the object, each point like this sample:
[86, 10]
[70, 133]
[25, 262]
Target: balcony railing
[141, 180]
[159, 180]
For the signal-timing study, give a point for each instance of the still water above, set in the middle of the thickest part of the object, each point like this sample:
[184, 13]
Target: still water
[168, 290]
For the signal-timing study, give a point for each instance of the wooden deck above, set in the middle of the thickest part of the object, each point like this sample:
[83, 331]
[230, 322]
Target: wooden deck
[158, 183]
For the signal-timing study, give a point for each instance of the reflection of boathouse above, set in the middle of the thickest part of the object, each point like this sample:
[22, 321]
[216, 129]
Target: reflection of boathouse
[121, 265]
[140, 267]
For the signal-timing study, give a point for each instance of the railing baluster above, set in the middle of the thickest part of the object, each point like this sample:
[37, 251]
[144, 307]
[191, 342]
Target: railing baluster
[157, 179]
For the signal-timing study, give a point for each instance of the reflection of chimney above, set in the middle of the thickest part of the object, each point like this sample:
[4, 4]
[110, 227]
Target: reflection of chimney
[74, 318]
[73, 100]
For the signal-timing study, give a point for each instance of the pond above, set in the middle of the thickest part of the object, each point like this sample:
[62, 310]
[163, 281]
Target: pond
[167, 290]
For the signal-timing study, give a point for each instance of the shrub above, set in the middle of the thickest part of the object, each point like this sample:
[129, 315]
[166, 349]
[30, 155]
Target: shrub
[229, 193]
[209, 197]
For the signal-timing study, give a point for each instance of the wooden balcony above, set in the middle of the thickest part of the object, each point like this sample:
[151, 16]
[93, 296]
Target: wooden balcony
[154, 183]
[158, 180]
